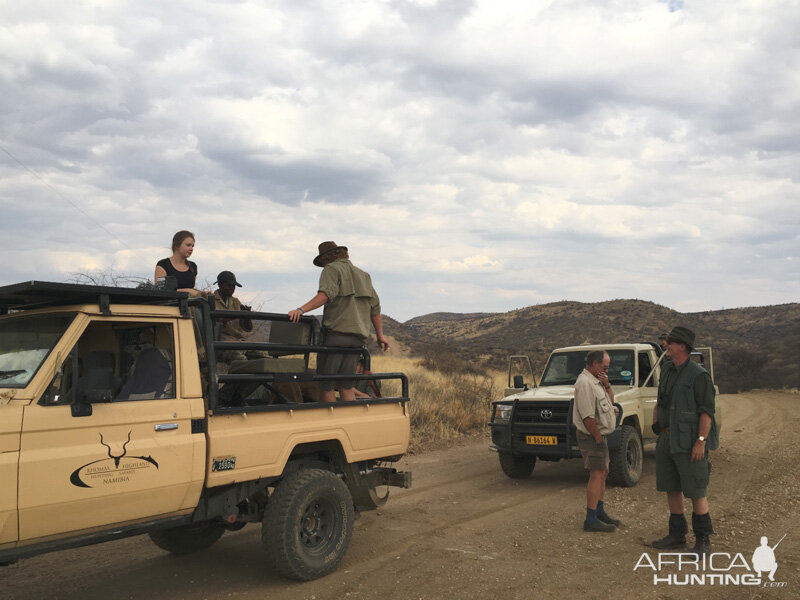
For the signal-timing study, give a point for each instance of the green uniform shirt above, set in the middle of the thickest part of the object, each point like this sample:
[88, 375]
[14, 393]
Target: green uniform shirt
[703, 391]
[352, 300]
[232, 330]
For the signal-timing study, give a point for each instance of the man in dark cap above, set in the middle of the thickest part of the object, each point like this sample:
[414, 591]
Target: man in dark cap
[233, 330]
[662, 340]
[351, 303]
[687, 431]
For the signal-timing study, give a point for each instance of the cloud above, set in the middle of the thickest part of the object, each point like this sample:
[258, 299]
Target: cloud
[478, 262]
[473, 155]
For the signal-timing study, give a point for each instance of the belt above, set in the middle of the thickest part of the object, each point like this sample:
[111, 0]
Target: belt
[348, 334]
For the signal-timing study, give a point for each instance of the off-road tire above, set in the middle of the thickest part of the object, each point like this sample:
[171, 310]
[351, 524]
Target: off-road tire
[517, 466]
[308, 524]
[626, 460]
[188, 538]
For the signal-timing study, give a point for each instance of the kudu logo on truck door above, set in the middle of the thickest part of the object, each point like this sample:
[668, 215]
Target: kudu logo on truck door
[118, 467]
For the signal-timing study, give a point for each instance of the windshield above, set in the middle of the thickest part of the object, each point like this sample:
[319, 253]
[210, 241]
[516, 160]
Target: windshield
[24, 344]
[563, 368]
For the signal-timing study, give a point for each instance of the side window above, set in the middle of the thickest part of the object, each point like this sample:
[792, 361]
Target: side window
[117, 361]
[644, 369]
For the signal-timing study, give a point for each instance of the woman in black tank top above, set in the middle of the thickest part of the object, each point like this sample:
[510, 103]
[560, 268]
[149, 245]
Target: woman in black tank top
[178, 265]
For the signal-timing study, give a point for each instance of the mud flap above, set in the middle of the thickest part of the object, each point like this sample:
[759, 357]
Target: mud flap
[369, 486]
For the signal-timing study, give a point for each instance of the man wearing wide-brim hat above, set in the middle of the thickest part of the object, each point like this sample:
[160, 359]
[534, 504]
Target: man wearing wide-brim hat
[687, 431]
[351, 305]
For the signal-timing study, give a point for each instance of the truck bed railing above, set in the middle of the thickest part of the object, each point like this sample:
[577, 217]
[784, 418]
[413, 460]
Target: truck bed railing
[209, 315]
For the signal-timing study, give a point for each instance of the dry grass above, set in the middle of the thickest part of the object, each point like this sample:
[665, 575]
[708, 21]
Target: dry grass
[443, 407]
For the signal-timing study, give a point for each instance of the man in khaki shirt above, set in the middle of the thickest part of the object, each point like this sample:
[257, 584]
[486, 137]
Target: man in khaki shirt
[233, 330]
[351, 304]
[593, 417]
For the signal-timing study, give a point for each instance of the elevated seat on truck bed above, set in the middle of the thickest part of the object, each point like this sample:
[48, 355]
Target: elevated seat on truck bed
[279, 361]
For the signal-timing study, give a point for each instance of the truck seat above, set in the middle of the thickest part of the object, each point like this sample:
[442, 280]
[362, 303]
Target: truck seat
[150, 379]
[98, 366]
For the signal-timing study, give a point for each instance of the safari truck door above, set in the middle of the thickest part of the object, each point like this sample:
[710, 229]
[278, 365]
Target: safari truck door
[10, 424]
[114, 432]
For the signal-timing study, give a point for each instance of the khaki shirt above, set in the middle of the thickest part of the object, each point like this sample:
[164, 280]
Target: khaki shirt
[592, 400]
[352, 300]
[232, 330]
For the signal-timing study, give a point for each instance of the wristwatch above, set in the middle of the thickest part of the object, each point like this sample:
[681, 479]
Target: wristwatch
[701, 438]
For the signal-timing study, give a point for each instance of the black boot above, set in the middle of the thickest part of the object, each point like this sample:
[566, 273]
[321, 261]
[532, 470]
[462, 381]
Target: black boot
[701, 525]
[676, 538]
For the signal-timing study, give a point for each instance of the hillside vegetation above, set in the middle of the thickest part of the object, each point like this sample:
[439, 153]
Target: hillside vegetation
[445, 405]
[754, 347]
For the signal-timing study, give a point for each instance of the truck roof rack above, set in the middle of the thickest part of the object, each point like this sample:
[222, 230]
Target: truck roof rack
[41, 294]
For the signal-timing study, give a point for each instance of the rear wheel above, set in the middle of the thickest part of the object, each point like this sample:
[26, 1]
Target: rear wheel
[308, 524]
[626, 460]
[188, 538]
[517, 466]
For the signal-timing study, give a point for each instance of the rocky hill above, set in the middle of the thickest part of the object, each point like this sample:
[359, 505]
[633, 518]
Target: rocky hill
[754, 346]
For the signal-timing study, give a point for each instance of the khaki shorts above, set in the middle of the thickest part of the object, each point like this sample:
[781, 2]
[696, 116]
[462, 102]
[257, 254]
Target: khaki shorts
[677, 472]
[595, 456]
[338, 364]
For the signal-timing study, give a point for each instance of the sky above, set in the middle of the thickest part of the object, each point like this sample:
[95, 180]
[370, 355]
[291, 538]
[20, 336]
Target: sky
[474, 156]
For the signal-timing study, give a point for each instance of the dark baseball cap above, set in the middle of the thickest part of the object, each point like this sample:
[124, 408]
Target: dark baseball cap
[227, 277]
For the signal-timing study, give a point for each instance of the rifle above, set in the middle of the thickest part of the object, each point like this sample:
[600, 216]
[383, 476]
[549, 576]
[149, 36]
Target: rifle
[779, 541]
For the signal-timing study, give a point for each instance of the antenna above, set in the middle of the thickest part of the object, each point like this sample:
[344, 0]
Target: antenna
[63, 197]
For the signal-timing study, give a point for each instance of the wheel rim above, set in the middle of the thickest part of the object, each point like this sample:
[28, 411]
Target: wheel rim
[633, 457]
[317, 525]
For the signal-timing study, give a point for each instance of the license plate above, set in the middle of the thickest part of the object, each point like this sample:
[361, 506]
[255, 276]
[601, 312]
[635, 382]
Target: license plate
[541, 440]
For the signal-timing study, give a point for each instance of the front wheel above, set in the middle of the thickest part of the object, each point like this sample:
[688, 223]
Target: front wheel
[517, 466]
[308, 524]
[188, 538]
[626, 459]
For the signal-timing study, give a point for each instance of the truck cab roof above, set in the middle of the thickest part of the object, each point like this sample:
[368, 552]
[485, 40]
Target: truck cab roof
[33, 295]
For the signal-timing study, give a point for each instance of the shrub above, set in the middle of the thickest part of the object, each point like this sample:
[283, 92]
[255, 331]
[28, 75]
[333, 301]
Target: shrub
[444, 406]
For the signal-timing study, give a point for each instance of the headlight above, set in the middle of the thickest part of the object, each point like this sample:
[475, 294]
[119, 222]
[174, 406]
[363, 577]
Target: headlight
[502, 412]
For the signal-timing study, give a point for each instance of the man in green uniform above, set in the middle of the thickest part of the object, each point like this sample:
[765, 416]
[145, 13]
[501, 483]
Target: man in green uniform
[233, 330]
[687, 431]
[351, 303]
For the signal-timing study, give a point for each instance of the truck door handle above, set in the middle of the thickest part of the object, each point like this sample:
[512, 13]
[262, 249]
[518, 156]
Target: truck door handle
[166, 426]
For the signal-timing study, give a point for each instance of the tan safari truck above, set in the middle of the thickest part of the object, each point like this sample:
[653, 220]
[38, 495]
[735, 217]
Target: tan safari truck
[115, 422]
[535, 421]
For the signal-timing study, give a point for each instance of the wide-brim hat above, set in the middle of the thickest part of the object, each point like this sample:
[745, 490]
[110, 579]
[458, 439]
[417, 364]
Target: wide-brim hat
[683, 335]
[227, 277]
[325, 248]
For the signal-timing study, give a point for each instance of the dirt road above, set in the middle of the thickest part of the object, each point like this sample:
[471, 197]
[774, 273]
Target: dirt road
[467, 531]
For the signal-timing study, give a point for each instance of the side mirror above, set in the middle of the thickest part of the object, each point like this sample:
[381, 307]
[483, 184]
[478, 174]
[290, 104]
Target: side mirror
[519, 382]
[81, 409]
